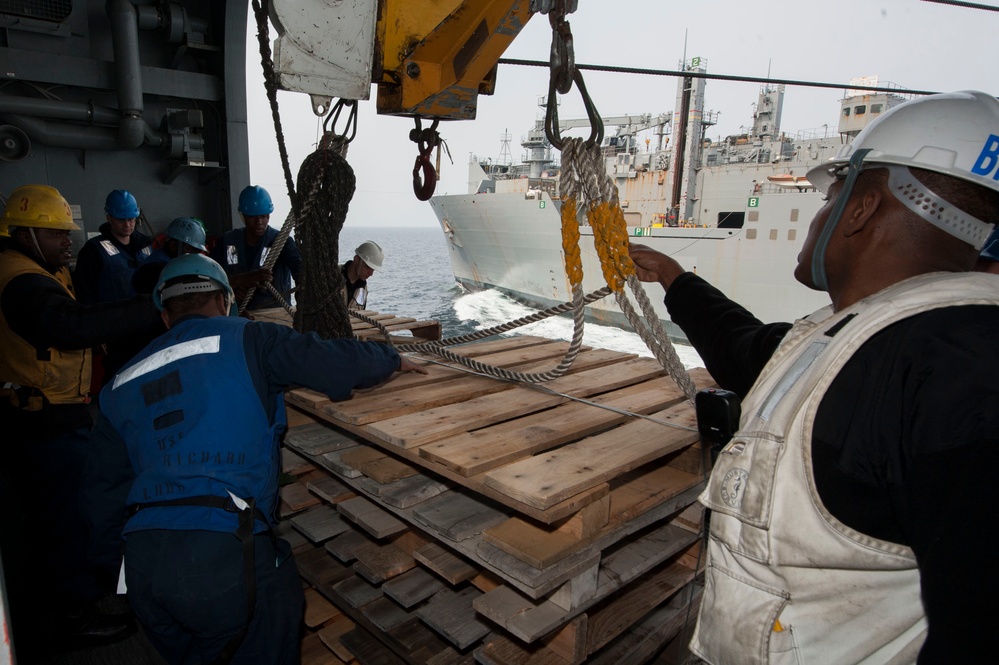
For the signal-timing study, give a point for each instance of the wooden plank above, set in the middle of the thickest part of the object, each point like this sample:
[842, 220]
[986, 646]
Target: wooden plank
[297, 496]
[420, 643]
[318, 610]
[331, 633]
[451, 615]
[448, 565]
[321, 570]
[360, 455]
[542, 546]
[595, 371]
[364, 409]
[355, 591]
[410, 491]
[299, 418]
[501, 650]
[320, 523]
[476, 452]
[318, 438]
[331, 490]
[627, 608]
[545, 480]
[664, 625]
[385, 614]
[345, 545]
[378, 563]
[294, 464]
[457, 516]
[388, 470]
[570, 641]
[368, 650]
[370, 517]
[314, 652]
[412, 587]
[334, 462]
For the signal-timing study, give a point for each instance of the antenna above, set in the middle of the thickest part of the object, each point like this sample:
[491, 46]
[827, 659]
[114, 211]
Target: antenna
[505, 157]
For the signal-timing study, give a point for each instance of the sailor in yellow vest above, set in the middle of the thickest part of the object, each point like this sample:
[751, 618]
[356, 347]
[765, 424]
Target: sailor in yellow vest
[45, 341]
[852, 513]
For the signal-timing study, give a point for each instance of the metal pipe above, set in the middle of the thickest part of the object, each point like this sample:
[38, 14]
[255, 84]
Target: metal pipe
[59, 135]
[76, 111]
[125, 45]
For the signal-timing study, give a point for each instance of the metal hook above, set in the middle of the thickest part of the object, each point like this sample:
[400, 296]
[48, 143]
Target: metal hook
[334, 115]
[551, 114]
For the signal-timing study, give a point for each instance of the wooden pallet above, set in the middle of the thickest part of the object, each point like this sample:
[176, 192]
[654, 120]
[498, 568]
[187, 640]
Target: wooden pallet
[416, 329]
[535, 509]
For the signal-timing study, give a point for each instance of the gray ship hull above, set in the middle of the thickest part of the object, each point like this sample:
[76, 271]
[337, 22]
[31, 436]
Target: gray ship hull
[511, 243]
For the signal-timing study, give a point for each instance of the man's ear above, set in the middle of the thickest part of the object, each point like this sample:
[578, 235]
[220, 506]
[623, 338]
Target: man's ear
[165, 317]
[860, 210]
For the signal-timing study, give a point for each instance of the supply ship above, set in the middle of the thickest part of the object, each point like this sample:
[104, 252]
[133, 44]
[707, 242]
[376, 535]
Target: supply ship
[734, 211]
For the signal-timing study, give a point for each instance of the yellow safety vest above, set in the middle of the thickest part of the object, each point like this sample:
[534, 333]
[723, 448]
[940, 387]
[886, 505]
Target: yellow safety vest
[63, 378]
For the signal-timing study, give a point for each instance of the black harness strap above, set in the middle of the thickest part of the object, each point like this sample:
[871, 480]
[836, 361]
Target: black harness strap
[244, 531]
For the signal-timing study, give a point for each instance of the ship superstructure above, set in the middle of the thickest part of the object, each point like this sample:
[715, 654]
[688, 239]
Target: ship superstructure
[734, 211]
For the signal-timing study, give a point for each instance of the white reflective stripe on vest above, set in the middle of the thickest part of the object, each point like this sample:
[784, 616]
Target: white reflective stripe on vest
[109, 247]
[195, 347]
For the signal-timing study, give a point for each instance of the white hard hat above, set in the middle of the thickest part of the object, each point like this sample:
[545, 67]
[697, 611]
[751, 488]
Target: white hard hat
[371, 254]
[954, 134]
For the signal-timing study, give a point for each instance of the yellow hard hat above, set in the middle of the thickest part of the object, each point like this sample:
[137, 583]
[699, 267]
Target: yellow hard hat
[40, 207]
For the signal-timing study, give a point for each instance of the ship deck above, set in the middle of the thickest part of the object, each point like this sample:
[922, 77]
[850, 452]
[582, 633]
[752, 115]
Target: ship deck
[454, 518]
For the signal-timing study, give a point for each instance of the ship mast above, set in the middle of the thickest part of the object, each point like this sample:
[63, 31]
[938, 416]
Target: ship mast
[687, 130]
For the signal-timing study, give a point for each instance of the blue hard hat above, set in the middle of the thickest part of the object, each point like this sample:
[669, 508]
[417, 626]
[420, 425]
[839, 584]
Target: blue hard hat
[189, 231]
[990, 250]
[208, 276]
[120, 204]
[254, 200]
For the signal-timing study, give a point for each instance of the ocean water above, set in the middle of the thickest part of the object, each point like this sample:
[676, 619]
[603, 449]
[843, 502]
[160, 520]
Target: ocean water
[417, 281]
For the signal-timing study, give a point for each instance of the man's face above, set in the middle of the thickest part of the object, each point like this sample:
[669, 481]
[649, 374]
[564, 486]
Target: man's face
[803, 271]
[121, 228]
[56, 246]
[256, 225]
[363, 270]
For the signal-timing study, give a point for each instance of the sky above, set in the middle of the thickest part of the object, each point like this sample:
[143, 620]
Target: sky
[912, 43]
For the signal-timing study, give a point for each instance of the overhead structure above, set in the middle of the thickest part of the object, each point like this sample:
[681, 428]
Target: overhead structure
[431, 59]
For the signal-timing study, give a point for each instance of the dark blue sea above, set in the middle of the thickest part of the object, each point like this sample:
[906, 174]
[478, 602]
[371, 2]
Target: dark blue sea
[417, 281]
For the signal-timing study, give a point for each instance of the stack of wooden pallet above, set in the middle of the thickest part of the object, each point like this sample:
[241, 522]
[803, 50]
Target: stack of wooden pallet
[452, 517]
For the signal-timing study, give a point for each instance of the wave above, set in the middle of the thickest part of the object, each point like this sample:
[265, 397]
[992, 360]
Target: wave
[485, 309]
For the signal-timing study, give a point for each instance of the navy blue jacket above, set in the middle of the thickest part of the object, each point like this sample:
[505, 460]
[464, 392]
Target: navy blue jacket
[105, 266]
[234, 255]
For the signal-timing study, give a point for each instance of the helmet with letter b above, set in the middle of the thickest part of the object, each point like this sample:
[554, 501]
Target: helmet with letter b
[191, 273]
[955, 134]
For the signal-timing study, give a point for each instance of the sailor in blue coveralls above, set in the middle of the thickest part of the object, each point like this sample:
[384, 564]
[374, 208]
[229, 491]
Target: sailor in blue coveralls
[106, 263]
[244, 251]
[201, 411]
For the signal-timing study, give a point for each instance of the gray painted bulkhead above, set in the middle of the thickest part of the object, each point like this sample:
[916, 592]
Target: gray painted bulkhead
[139, 95]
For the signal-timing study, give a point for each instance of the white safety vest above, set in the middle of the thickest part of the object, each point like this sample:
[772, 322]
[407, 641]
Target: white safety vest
[786, 582]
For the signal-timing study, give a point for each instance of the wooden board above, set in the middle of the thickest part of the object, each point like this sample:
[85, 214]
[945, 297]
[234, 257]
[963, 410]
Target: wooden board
[377, 563]
[355, 591]
[317, 438]
[294, 464]
[318, 610]
[370, 517]
[412, 587]
[475, 452]
[320, 523]
[545, 480]
[344, 546]
[450, 613]
[457, 516]
[331, 633]
[433, 423]
[314, 652]
[448, 565]
[330, 489]
[385, 614]
[297, 496]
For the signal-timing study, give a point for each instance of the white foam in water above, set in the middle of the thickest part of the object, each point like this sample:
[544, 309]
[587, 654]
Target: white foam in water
[491, 308]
